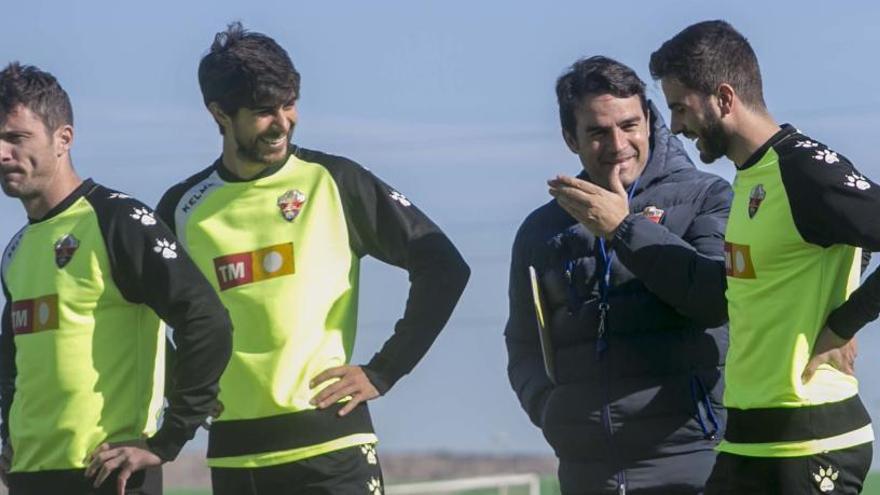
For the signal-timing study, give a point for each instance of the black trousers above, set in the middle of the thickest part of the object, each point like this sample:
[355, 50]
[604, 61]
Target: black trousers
[839, 472]
[73, 482]
[354, 470]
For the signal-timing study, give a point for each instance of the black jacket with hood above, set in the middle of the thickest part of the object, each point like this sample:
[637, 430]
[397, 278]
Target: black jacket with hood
[646, 411]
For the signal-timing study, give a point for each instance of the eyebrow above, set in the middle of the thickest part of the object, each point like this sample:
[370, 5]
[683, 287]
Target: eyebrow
[15, 132]
[626, 121]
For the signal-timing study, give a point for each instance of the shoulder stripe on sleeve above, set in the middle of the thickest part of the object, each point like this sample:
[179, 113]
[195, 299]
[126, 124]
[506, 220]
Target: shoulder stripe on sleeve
[190, 199]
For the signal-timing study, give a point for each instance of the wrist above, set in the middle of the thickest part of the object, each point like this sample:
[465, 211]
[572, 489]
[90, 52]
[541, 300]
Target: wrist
[618, 224]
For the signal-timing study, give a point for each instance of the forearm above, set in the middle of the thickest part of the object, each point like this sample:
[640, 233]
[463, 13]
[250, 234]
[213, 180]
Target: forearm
[7, 367]
[203, 350]
[862, 307]
[438, 275]
[690, 281]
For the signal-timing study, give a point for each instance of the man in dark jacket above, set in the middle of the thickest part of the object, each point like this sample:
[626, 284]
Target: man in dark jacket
[626, 268]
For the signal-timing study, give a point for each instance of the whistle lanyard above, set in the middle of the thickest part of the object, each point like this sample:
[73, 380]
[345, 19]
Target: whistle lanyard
[605, 283]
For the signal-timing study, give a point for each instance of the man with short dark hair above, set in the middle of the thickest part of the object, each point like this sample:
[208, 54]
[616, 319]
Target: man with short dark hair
[279, 230]
[800, 213]
[623, 370]
[86, 282]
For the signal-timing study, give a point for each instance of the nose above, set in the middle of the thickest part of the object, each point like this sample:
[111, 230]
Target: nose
[5, 151]
[675, 124]
[617, 140]
[280, 120]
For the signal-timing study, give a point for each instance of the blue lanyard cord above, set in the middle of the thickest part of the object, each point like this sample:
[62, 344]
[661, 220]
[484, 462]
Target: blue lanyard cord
[700, 394]
[605, 283]
[608, 257]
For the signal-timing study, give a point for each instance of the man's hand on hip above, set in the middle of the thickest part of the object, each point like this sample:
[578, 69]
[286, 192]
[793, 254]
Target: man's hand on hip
[127, 457]
[352, 382]
[831, 349]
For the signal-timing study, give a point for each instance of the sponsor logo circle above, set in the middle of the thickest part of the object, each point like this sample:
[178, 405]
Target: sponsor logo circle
[43, 313]
[740, 262]
[272, 262]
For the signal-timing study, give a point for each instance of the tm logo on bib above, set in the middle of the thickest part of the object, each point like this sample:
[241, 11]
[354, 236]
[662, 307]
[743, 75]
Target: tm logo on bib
[245, 268]
[35, 315]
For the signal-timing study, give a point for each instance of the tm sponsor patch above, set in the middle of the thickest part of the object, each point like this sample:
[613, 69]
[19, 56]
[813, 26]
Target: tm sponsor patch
[35, 315]
[738, 260]
[237, 269]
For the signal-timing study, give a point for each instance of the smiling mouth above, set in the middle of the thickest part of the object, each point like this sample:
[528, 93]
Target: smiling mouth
[274, 142]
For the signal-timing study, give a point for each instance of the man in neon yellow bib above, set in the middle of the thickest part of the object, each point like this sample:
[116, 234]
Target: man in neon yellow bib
[279, 231]
[800, 214]
[88, 282]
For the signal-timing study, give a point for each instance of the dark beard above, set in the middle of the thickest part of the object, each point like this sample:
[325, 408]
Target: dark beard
[249, 153]
[714, 141]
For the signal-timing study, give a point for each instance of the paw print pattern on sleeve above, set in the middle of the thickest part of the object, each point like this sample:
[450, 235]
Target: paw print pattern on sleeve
[167, 249]
[826, 155]
[144, 215]
[857, 181]
[400, 198]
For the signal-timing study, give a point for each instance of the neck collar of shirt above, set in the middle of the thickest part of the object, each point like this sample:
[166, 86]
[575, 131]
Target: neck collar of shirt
[785, 130]
[80, 191]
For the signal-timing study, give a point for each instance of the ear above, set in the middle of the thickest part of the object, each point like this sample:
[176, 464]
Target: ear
[221, 117]
[62, 139]
[648, 122]
[570, 141]
[726, 98]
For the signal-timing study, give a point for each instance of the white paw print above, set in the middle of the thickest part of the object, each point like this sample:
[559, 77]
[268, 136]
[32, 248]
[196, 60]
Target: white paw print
[826, 479]
[167, 248]
[144, 215]
[117, 195]
[400, 198]
[826, 155]
[374, 486]
[369, 452]
[858, 181]
[806, 144]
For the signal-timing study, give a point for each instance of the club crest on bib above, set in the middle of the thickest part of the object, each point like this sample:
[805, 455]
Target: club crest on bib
[756, 197]
[653, 213]
[291, 203]
[65, 249]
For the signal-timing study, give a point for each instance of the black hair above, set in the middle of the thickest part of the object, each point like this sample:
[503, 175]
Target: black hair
[708, 54]
[247, 69]
[595, 76]
[39, 91]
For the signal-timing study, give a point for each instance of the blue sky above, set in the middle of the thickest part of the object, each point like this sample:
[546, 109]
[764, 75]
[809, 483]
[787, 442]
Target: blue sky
[452, 103]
